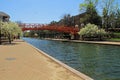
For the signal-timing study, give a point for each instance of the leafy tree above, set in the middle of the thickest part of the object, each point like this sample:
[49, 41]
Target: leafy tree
[89, 7]
[11, 29]
[31, 33]
[1, 25]
[26, 34]
[66, 20]
[109, 13]
[53, 23]
[88, 3]
[117, 19]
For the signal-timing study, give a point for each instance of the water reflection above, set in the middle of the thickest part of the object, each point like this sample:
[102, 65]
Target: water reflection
[101, 62]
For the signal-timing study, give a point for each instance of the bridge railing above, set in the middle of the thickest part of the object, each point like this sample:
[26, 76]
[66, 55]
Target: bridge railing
[72, 30]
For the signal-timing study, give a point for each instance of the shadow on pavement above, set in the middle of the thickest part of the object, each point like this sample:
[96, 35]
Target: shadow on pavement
[15, 42]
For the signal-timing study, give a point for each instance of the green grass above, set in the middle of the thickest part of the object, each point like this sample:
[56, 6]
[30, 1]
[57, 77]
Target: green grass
[114, 39]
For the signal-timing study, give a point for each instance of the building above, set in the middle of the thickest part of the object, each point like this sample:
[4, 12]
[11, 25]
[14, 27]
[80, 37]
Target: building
[4, 17]
[72, 20]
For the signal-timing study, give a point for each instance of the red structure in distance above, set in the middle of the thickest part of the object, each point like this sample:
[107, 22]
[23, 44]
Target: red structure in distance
[65, 29]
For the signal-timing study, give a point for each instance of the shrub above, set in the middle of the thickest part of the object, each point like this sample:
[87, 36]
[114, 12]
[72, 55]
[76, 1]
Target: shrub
[91, 32]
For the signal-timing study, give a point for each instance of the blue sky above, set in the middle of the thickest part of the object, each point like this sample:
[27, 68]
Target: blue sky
[39, 11]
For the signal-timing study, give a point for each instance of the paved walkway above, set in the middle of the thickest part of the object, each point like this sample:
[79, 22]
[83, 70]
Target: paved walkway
[20, 61]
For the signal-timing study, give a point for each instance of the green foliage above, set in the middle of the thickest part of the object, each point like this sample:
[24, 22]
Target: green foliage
[110, 14]
[114, 39]
[10, 30]
[92, 31]
[0, 30]
[26, 34]
[89, 6]
[67, 20]
[53, 23]
[117, 23]
[83, 7]
[116, 35]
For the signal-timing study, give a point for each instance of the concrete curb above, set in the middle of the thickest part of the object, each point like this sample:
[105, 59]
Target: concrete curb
[79, 74]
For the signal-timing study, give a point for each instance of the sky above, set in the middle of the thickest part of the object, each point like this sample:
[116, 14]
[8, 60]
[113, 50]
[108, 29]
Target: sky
[39, 11]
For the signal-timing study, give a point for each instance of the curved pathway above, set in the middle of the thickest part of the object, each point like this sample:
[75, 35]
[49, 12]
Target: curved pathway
[20, 61]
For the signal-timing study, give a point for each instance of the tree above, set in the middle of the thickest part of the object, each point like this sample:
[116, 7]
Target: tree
[66, 20]
[117, 19]
[53, 23]
[26, 34]
[89, 7]
[109, 13]
[10, 29]
[1, 24]
[88, 3]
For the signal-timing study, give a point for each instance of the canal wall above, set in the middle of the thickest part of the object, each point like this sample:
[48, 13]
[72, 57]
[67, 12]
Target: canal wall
[89, 42]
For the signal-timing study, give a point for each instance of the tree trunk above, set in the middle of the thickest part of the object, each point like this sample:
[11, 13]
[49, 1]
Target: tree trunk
[9, 38]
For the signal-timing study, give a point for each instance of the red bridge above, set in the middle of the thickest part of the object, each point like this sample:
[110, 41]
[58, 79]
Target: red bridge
[71, 30]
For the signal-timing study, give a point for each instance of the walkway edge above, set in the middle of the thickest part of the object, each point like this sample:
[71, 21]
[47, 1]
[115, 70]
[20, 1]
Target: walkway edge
[81, 75]
[88, 42]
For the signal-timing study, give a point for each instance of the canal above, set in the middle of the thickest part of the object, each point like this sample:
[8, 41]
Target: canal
[101, 62]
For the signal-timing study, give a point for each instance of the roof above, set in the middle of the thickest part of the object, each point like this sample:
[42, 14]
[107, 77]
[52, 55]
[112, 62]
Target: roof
[4, 14]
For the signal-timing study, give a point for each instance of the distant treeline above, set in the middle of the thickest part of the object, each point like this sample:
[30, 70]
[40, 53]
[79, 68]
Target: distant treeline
[108, 18]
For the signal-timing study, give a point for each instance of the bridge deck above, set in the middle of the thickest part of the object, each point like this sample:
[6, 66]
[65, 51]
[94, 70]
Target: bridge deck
[72, 30]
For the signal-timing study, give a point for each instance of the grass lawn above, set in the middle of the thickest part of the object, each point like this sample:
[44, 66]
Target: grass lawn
[114, 39]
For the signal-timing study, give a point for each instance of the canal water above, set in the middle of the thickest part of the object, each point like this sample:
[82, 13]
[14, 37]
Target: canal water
[101, 62]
